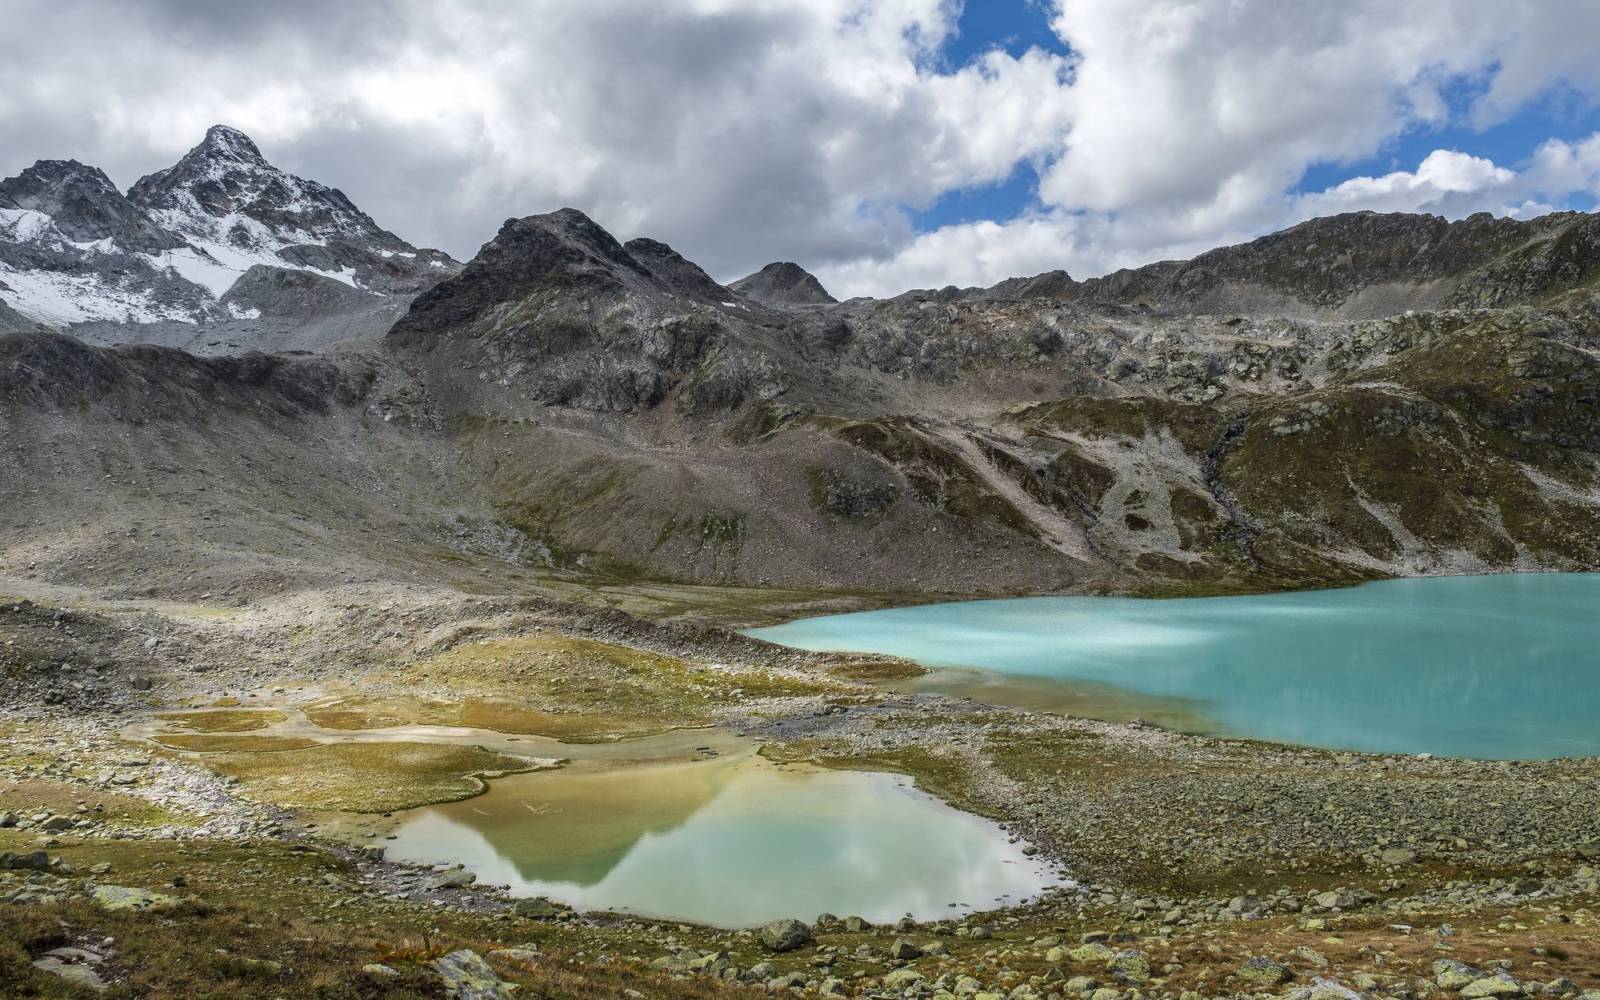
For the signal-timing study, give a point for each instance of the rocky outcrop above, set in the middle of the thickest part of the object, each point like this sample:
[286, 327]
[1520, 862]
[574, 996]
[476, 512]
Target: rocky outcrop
[784, 284]
[555, 309]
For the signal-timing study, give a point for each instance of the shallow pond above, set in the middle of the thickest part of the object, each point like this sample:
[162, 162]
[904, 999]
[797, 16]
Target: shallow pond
[1486, 667]
[731, 842]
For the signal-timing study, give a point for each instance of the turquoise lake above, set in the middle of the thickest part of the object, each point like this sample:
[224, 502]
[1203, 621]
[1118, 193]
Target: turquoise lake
[1495, 667]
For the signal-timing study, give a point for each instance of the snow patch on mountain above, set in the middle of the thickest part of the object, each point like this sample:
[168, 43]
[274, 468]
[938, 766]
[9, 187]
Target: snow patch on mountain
[74, 249]
[60, 300]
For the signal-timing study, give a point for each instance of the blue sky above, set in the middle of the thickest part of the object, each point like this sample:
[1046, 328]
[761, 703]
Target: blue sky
[1097, 134]
[1014, 26]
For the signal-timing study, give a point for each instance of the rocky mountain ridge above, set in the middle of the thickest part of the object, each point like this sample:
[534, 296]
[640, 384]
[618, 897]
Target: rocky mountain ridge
[572, 404]
[1361, 265]
[168, 262]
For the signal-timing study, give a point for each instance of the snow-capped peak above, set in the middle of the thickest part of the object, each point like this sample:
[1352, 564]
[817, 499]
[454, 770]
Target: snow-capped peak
[223, 142]
[74, 249]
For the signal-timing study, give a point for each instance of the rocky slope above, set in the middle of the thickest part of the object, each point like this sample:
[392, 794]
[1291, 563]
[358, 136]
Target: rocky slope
[218, 253]
[591, 406]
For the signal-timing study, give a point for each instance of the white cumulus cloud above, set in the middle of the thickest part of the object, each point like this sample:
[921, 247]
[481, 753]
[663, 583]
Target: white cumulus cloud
[743, 131]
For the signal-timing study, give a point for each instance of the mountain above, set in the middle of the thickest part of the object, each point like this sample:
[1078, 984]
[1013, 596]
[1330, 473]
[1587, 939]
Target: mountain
[1365, 265]
[784, 283]
[555, 310]
[220, 252]
[570, 405]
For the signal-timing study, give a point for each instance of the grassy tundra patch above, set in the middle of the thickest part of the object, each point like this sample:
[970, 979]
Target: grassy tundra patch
[366, 777]
[228, 743]
[223, 721]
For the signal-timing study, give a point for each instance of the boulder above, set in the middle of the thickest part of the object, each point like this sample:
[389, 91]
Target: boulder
[904, 950]
[459, 879]
[1450, 974]
[37, 861]
[122, 897]
[1130, 965]
[1260, 971]
[1325, 989]
[71, 968]
[468, 977]
[785, 935]
[537, 908]
[1093, 953]
[1310, 956]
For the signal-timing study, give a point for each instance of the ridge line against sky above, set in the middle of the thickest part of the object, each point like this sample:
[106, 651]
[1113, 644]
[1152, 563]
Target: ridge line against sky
[883, 144]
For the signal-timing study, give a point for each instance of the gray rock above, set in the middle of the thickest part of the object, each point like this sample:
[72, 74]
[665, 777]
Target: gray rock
[1091, 953]
[904, 950]
[122, 897]
[785, 935]
[1261, 971]
[452, 880]
[537, 908]
[74, 965]
[1310, 956]
[468, 977]
[1130, 965]
[521, 956]
[1450, 974]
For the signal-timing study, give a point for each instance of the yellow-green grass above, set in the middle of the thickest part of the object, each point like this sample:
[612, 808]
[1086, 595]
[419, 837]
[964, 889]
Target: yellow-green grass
[366, 777]
[357, 713]
[205, 743]
[576, 690]
[223, 720]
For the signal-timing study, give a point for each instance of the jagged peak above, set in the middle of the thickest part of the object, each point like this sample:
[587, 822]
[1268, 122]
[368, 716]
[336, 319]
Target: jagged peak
[82, 204]
[784, 282]
[223, 151]
[230, 143]
[57, 174]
